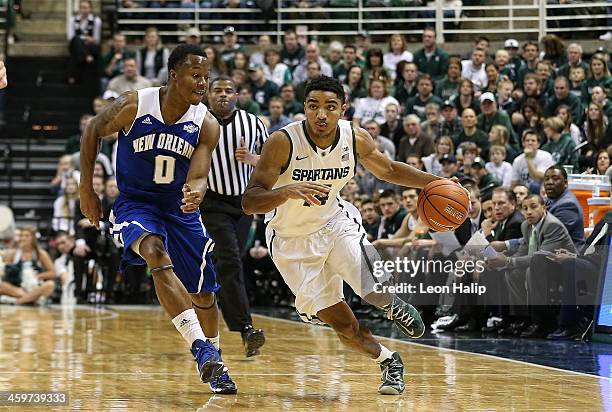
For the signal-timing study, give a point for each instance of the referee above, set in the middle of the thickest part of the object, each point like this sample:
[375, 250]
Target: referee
[232, 162]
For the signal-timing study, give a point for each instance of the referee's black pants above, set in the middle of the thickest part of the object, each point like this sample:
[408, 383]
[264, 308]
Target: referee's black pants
[229, 227]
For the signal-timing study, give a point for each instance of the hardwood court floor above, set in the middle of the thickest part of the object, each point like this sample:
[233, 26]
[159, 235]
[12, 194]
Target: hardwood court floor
[133, 359]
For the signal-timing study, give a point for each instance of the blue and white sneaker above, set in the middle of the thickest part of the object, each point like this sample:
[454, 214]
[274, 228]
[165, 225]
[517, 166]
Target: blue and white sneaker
[208, 360]
[223, 384]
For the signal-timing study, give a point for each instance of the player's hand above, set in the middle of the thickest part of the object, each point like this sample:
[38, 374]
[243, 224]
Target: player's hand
[307, 191]
[91, 206]
[191, 199]
[81, 250]
[455, 179]
[487, 226]
[244, 155]
[3, 78]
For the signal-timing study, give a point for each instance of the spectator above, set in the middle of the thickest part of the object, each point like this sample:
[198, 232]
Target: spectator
[470, 132]
[63, 207]
[599, 75]
[498, 135]
[239, 77]
[505, 102]
[334, 54]
[392, 127]
[502, 61]
[263, 44]
[531, 90]
[312, 54]
[511, 46]
[114, 61]
[216, 66]
[450, 168]
[383, 144]
[433, 125]
[73, 143]
[577, 76]
[274, 70]
[560, 145]
[277, 119]
[65, 170]
[230, 45]
[290, 105]
[530, 55]
[362, 43]
[574, 59]
[493, 78]
[529, 167]
[391, 245]
[356, 82]
[443, 146]
[598, 96]
[374, 64]
[486, 181]
[415, 161]
[63, 265]
[153, 58]
[448, 86]
[348, 60]
[491, 116]
[397, 52]
[498, 167]
[28, 270]
[416, 104]
[245, 100]
[465, 99]
[85, 36]
[565, 114]
[431, 59]
[129, 80]
[554, 51]
[371, 219]
[392, 212]
[602, 163]
[373, 106]
[262, 89]
[451, 125]
[405, 85]
[414, 141]
[292, 51]
[193, 36]
[530, 117]
[474, 69]
[562, 203]
[239, 62]
[521, 192]
[544, 72]
[468, 152]
[313, 71]
[598, 134]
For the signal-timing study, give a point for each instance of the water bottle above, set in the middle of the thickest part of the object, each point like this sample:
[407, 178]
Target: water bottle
[595, 190]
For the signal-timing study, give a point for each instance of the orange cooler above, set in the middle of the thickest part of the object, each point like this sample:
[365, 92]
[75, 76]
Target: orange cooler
[585, 187]
[598, 207]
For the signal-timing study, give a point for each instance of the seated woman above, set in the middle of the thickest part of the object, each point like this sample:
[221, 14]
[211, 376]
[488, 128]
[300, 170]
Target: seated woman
[29, 273]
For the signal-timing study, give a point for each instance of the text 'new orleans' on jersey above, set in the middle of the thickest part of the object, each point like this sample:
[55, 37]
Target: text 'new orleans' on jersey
[332, 167]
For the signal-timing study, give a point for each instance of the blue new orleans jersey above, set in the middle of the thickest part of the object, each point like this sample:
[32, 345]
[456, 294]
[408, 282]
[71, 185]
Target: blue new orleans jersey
[153, 157]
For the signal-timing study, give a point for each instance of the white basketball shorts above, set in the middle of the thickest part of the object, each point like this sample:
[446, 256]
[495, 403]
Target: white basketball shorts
[314, 265]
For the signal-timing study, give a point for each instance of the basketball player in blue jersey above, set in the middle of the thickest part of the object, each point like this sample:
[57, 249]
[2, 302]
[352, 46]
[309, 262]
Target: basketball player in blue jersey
[166, 137]
[316, 239]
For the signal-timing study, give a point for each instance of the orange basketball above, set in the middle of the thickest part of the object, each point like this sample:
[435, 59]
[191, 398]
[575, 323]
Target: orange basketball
[443, 205]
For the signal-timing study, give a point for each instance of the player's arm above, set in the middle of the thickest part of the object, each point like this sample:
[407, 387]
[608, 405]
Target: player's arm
[385, 169]
[118, 115]
[259, 196]
[3, 81]
[199, 167]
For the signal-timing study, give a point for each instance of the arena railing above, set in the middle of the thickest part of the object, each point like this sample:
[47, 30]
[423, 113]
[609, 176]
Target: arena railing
[378, 17]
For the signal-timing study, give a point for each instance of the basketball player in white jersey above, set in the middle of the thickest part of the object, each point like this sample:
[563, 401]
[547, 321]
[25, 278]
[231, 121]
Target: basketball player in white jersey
[314, 237]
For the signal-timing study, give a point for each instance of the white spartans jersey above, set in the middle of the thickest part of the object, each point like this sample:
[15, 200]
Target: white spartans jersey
[332, 167]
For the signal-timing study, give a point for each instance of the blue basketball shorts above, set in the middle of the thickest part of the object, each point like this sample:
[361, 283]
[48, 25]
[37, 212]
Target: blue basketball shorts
[183, 234]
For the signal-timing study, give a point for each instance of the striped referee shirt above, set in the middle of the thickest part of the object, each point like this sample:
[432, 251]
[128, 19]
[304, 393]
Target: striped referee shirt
[228, 176]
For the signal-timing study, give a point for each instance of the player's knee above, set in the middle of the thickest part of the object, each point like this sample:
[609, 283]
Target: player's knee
[203, 300]
[153, 251]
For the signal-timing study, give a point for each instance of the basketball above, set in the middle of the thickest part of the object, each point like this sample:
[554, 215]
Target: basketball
[443, 205]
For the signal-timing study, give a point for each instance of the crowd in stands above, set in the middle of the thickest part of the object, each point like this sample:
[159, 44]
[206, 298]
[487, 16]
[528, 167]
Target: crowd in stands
[508, 123]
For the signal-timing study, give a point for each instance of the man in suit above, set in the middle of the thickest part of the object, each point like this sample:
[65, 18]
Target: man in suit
[563, 204]
[541, 232]
[503, 227]
[579, 276]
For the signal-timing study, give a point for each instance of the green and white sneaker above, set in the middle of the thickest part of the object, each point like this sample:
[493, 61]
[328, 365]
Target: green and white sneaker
[392, 376]
[406, 317]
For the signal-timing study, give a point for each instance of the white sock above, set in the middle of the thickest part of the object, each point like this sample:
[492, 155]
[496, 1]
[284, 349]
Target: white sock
[188, 325]
[384, 354]
[214, 341]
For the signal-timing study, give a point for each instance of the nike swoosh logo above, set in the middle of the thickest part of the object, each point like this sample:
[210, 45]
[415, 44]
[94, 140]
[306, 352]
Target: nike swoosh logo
[300, 158]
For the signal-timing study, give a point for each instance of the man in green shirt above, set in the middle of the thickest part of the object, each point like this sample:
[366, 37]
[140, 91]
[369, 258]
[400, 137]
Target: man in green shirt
[560, 145]
[393, 214]
[262, 88]
[245, 101]
[574, 59]
[431, 59]
[490, 116]
[486, 181]
[471, 133]
[531, 51]
[562, 96]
